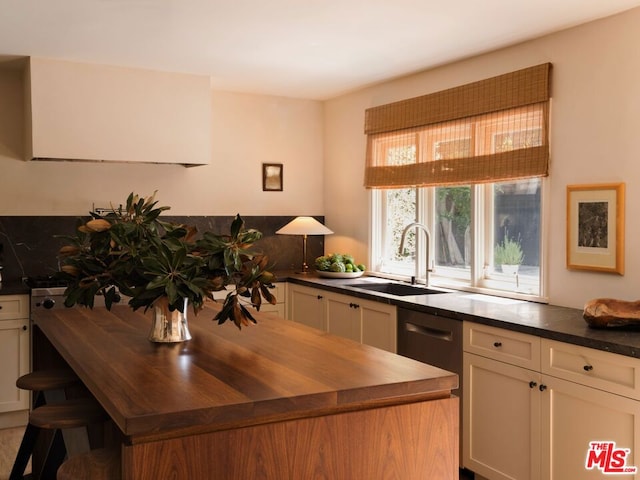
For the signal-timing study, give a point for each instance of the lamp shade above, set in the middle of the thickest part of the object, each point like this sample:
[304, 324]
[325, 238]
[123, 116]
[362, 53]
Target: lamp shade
[304, 226]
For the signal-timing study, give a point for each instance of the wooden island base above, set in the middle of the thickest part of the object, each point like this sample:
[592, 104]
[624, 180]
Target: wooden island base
[405, 442]
[276, 401]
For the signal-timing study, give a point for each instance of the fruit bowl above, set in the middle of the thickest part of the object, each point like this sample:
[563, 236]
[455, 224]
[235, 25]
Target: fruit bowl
[326, 274]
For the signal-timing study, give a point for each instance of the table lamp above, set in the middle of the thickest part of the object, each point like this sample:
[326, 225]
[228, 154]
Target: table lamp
[304, 226]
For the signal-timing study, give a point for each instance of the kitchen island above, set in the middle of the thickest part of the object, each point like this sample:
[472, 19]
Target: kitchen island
[277, 400]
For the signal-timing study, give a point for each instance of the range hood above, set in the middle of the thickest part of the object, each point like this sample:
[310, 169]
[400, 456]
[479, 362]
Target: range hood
[87, 112]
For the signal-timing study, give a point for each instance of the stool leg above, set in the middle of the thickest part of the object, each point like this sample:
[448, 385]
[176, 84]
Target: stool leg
[55, 457]
[24, 452]
[27, 444]
[55, 396]
[76, 440]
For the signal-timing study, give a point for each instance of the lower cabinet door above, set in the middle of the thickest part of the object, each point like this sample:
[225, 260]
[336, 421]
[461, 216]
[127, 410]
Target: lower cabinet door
[501, 419]
[379, 325]
[574, 416]
[343, 317]
[306, 305]
[14, 362]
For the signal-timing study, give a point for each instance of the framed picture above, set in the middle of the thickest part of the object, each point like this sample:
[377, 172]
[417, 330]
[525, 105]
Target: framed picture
[272, 177]
[595, 227]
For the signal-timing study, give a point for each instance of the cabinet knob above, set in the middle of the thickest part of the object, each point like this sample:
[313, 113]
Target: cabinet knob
[542, 387]
[588, 368]
[0, 307]
[532, 384]
[354, 305]
[319, 297]
[497, 344]
[24, 327]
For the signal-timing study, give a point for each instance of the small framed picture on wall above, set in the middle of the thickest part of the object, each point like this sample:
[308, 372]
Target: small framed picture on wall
[272, 177]
[595, 227]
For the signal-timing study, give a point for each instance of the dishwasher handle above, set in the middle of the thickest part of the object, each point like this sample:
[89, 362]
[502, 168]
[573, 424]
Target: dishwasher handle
[438, 333]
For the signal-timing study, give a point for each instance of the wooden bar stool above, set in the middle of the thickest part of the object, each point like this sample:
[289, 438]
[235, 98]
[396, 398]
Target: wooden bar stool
[99, 464]
[70, 419]
[46, 386]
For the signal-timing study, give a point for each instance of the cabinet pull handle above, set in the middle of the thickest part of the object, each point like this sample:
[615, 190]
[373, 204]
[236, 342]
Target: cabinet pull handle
[0, 307]
[543, 387]
[588, 368]
[497, 344]
[532, 384]
[320, 297]
[354, 305]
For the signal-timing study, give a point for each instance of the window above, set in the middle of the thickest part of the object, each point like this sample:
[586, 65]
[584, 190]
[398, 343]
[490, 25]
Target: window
[508, 214]
[474, 180]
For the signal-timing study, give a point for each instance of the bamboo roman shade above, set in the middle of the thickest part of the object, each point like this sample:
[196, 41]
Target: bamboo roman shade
[486, 131]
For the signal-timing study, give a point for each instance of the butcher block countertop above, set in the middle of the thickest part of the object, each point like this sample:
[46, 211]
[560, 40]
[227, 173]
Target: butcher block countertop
[225, 378]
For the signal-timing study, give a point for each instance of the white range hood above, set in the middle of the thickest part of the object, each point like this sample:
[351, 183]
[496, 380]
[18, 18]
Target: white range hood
[88, 112]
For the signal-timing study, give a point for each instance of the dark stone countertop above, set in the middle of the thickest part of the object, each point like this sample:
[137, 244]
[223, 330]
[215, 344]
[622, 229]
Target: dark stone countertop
[546, 321]
[13, 287]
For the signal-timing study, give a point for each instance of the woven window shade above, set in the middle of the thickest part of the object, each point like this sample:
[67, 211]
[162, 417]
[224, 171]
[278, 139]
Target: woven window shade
[491, 130]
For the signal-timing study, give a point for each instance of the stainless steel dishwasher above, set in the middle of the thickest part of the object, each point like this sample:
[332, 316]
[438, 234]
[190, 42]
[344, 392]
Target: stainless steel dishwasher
[434, 340]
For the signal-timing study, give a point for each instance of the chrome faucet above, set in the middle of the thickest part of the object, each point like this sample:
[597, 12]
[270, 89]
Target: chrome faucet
[428, 235]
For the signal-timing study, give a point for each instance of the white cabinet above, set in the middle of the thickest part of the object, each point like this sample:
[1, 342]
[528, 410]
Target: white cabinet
[379, 325]
[589, 396]
[344, 316]
[532, 406]
[366, 321]
[279, 290]
[14, 352]
[501, 416]
[306, 305]
[82, 111]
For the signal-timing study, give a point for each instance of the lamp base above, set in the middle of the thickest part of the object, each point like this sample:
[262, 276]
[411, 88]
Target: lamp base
[305, 269]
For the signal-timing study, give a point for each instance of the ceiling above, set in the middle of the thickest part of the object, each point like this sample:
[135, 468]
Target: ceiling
[313, 49]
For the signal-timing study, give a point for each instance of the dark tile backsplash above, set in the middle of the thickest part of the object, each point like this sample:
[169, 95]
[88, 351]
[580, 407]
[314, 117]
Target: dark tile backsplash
[30, 244]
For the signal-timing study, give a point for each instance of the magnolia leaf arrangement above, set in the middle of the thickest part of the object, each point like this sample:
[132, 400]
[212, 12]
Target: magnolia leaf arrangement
[131, 251]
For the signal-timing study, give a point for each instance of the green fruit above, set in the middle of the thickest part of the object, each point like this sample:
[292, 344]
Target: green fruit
[338, 267]
[361, 267]
[349, 267]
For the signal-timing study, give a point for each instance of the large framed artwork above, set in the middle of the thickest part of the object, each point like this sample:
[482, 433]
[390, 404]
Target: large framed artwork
[595, 227]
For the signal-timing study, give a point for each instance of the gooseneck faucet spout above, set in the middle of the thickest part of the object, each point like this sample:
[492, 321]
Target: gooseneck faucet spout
[427, 233]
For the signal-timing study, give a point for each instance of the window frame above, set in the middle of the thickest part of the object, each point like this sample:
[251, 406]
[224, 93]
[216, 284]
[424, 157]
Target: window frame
[481, 279]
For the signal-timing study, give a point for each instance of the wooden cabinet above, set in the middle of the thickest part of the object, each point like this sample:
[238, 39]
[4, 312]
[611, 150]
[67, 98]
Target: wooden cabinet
[532, 406]
[365, 321]
[14, 356]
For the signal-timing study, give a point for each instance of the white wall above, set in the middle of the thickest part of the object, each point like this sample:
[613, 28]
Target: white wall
[595, 120]
[247, 130]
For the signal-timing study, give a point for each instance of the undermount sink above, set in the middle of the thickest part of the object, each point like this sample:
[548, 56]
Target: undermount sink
[399, 289]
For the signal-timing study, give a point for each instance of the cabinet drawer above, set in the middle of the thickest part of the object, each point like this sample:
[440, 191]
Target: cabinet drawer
[594, 368]
[14, 307]
[504, 345]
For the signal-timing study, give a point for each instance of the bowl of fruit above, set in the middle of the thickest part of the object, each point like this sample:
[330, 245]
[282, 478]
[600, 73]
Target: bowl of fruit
[338, 265]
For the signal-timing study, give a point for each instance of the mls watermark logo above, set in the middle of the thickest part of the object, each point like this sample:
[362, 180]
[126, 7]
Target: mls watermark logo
[608, 459]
